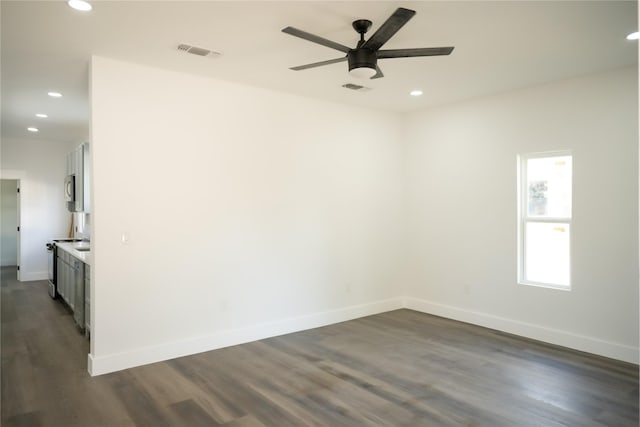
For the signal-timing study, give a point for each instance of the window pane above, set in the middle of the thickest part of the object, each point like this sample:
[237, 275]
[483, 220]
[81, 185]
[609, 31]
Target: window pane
[549, 187]
[547, 253]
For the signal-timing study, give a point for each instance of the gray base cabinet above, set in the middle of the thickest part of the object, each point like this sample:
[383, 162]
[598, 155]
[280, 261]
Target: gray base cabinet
[87, 300]
[71, 286]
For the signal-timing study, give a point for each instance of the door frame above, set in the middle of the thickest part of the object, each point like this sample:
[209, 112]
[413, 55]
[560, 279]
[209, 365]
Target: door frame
[18, 176]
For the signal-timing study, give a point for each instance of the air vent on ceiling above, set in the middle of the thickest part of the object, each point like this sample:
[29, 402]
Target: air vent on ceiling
[200, 51]
[356, 87]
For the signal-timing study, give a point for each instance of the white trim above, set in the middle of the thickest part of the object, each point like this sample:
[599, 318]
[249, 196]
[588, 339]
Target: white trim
[554, 153]
[145, 355]
[544, 285]
[18, 175]
[549, 335]
[524, 218]
[12, 174]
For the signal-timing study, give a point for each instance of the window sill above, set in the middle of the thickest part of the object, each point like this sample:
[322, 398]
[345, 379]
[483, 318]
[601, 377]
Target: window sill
[545, 285]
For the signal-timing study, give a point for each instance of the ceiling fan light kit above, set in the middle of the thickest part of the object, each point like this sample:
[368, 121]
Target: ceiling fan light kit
[80, 5]
[363, 59]
[362, 63]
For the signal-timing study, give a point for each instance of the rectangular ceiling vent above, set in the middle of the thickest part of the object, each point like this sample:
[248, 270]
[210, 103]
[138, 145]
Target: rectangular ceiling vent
[200, 51]
[356, 87]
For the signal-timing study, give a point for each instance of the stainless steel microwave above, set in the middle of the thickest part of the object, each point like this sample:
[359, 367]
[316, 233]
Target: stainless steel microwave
[70, 191]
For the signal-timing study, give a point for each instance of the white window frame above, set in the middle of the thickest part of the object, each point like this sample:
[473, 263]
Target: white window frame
[523, 219]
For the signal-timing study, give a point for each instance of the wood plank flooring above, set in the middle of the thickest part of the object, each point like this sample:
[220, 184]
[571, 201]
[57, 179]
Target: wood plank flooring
[401, 368]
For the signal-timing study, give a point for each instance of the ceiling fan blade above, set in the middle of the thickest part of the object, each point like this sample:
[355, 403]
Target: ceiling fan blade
[378, 73]
[315, 39]
[391, 26]
[406, 53]
[318, 64]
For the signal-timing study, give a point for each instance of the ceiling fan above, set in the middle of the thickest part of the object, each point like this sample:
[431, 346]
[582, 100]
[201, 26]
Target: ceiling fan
[363, 59]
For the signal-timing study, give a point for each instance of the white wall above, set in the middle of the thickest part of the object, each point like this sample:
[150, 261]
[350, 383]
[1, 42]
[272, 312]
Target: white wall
[43, 214]
[8, 222]
[247, 213]
[224, 213]
[461, 174]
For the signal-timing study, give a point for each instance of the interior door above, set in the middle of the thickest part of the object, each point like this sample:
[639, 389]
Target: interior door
[18, 221]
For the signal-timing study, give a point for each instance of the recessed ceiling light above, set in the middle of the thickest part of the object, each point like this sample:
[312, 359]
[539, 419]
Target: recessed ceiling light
[41, 115]
[633, 36]
[32, 129]
[416, 92]
[79, 5]
[55, 94]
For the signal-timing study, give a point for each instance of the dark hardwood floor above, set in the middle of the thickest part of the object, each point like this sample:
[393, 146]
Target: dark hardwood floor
[401, 368]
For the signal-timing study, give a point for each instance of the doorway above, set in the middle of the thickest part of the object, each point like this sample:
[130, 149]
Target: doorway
[10, 225]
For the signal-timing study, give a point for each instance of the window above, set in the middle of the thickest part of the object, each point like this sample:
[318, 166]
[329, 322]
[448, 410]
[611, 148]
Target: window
[544, 246]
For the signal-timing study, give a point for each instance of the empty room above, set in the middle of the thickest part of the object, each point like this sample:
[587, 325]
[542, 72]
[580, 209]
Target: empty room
[319, 213]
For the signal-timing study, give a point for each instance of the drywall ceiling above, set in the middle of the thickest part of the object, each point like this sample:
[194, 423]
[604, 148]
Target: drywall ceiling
[499, 46]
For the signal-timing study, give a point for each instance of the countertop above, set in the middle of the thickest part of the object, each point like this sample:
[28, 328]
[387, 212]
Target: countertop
[72, 248]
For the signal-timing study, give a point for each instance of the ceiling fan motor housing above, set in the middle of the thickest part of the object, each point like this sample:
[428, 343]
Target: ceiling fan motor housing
[362, 58]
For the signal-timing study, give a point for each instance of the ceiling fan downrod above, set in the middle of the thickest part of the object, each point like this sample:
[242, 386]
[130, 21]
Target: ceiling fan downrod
[361, 26]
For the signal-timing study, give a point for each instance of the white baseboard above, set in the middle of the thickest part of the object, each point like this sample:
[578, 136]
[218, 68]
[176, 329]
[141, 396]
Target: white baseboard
[145, 355]
[553, 336]
[31, 276]
[142, 356]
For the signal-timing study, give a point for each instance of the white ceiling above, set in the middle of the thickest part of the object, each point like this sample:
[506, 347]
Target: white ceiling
[499, 46]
